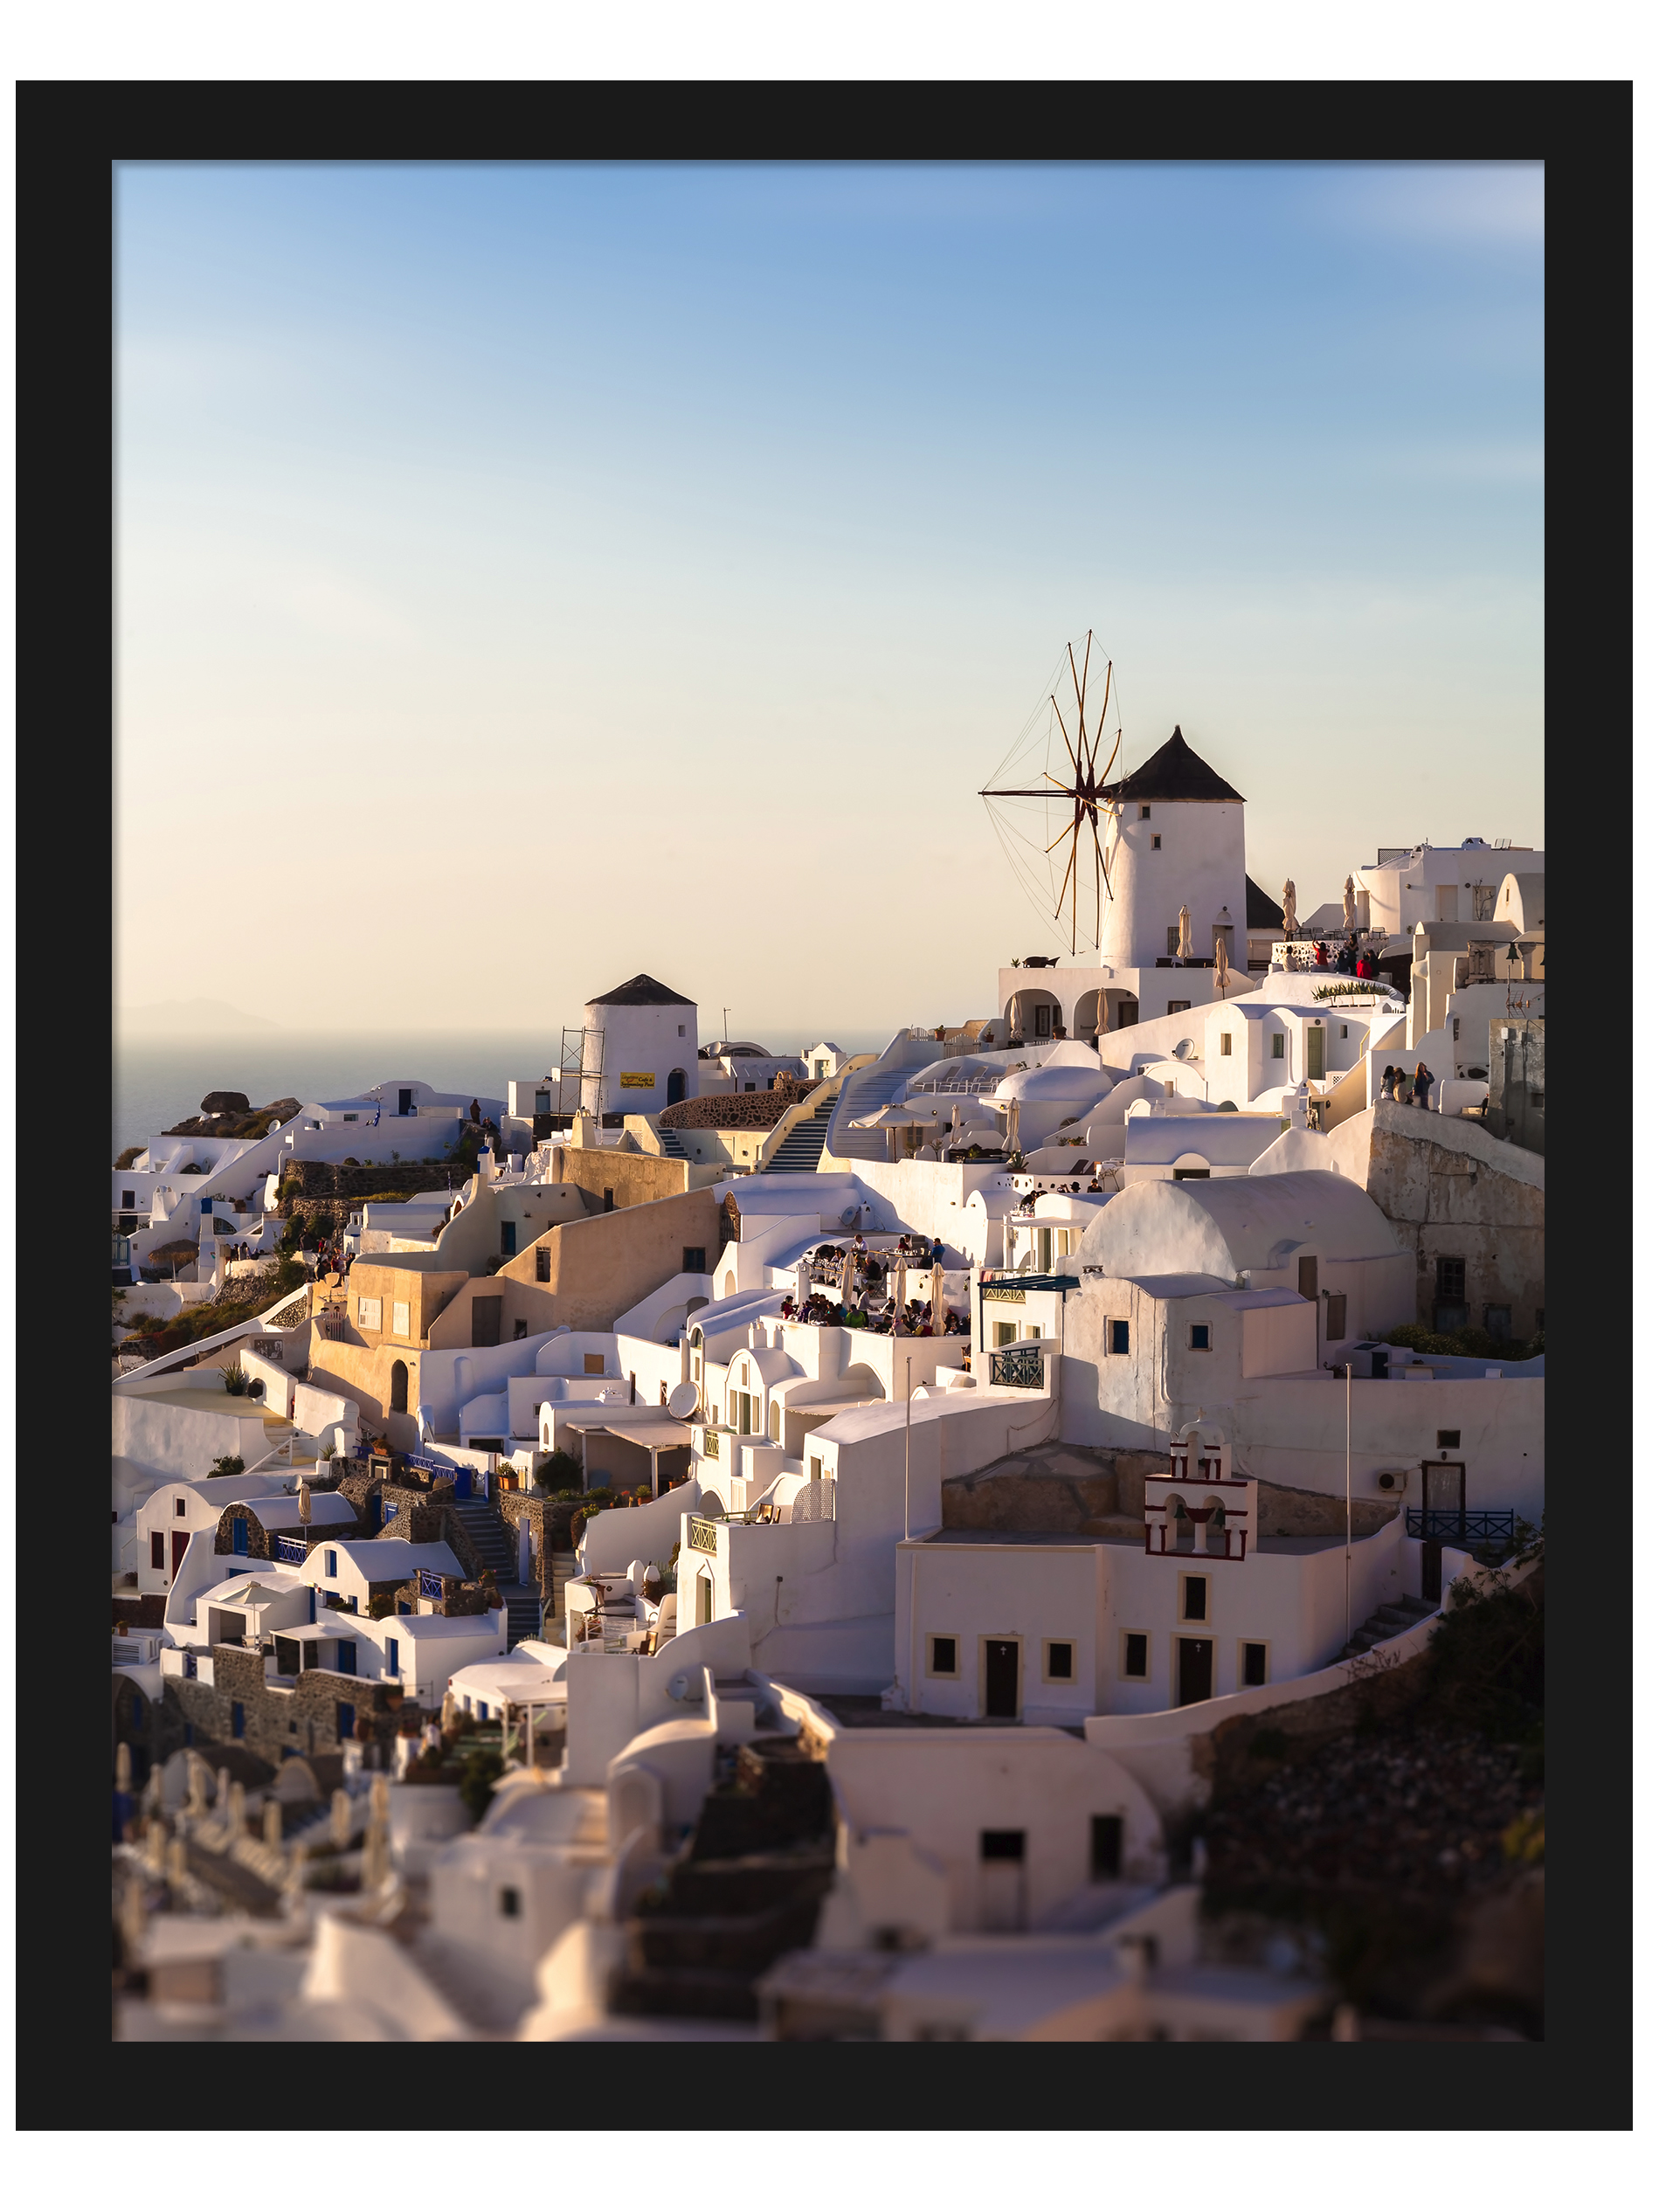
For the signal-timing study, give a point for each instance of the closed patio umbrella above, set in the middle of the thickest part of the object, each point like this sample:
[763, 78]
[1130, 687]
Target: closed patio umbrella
[938, 1299]
[847, 1277]
[1184, 943]
[1220, 963]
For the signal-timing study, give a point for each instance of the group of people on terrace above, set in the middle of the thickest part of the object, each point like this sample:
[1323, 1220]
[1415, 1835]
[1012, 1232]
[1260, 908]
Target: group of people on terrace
[1404, 1086]
[1351, 957]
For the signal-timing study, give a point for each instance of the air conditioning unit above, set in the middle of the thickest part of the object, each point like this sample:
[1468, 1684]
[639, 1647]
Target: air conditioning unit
[1391, 1478]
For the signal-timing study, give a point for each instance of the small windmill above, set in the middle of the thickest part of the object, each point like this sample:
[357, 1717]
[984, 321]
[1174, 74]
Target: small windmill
[1075, 800]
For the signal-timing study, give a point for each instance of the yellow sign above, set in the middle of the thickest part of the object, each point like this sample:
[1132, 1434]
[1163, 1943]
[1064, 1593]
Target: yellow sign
[639, 1083]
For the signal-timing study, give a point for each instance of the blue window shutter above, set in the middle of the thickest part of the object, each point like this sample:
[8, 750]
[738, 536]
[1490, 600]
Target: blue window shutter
[392, 1653]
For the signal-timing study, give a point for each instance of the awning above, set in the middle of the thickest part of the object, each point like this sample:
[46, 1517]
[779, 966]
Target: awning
[654, 1435]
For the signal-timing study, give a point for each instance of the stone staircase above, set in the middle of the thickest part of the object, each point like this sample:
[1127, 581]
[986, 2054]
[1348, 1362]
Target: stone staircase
[747, 1887]
[671, 1147]
[1388, 1621]
[802, 1148]
[496, 1547]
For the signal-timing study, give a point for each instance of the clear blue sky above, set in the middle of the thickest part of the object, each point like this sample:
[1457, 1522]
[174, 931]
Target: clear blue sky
[528, 576]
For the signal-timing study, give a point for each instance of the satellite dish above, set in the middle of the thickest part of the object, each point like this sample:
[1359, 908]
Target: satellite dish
[1184, 1050]
[683, 1400]
[848, 1215]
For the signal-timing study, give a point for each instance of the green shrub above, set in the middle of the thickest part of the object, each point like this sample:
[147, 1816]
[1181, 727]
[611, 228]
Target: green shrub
[236, 1379]
[560, 1472]
[1468, 1343]
[125, 1159]
[381, 1607]
[228, 1464]
[478, 1781]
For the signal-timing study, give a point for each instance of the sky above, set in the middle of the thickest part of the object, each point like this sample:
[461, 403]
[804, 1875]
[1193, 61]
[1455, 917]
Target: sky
[528, 576]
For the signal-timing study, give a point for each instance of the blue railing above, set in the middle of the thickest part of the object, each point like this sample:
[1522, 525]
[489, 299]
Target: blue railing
[428, 1463]
[291, 1549]
[432, 1583]
[1451, 1524]
[1018, 1367]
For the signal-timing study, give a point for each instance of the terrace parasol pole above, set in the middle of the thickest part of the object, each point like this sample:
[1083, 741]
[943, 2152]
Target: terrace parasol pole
[1348, 1503]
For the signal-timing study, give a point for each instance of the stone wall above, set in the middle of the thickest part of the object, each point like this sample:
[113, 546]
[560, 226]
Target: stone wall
[302, 1718]
[1096, 1493]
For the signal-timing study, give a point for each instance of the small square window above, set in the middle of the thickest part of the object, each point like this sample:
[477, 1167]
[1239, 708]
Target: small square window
[510, 1905]
[1058, 1662]
[1146, 814]
[1117, 1336]
[331, 1564]
[1003, 1843]
[1252, 1665]
[682, 1029]
[1157, 845]
[1004, 1333]
[1136, 1647]
[1448, 1440]
[1278, 1044]
[1227, 1044]
[1195, 1597]
[178, 1506]
[1345, 1028]
[1199, 1336]
[942, 1656]
[593, 1362]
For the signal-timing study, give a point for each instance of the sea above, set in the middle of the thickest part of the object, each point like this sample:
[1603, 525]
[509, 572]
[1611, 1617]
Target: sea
[161, 1081]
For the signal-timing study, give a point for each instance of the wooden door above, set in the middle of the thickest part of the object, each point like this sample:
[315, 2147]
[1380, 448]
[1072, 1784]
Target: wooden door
[181, 1539]
[1002, 1678]
[1196, 1669]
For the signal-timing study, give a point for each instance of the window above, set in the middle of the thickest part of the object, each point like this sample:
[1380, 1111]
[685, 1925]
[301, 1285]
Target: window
[1345, 1028]
[345, 1720]
[1198, 1336]
[1336, 1316]
[1058, 1661]
[1278, 1045]
[1308, 1275]
[178, 1508]
[1195, 1597]
[1117, 1336]
[1146, 814]
[820, 1068]
[509, 1239]
[1157, 845]
[1180, 1005]
[331, 1564]
[352, 1118]
[392, 1655]
[543, 1264]
[1252, 1665]
[1448, 1440]
[1448, 1281]
[509, 1904]
[609, 1196]
[775, 1421]
[1227, 1044]
[157, 1549]
[238, 1720]
[520, 1329]
[544, 1101]
[815, 1470]
[942, 1656]
[1192, 1175]
[593, 1362]
[1136, 1647]
[1004, 1333]
[400, 1319]
[1044, 1021]
[1002, 1843]
[1497, 1322]
[1172, 943]
[693, 1260]
[1105, 1846]
[749, 1086]
[128, 1200]
[369, 1314]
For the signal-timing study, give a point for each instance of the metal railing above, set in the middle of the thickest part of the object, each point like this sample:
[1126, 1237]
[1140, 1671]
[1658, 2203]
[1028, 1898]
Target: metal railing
[1452, 1523]
[1016, 1368]
[701, 1536]
[432, 1583]
[290, 1550]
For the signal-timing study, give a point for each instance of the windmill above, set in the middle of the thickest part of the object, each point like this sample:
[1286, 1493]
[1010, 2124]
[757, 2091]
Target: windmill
[1041, 815]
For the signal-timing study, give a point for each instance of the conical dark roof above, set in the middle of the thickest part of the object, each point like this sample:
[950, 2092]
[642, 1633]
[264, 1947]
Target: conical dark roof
[642, 991]
[1261, 910]
[1175, 771]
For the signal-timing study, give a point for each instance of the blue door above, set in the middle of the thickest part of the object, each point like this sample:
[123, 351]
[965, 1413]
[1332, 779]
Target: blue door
[239, 1537]
[463, 1482]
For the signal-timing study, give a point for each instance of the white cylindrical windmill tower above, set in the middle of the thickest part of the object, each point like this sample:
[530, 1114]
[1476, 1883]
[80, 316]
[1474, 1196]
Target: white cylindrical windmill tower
[1178, 840]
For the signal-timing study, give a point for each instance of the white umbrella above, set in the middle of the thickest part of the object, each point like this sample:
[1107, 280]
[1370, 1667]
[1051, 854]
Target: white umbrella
[847, 1277]
[938, 1299]
[1350, 909]
[1184, 943]
[1289, 907]
[1220, 963]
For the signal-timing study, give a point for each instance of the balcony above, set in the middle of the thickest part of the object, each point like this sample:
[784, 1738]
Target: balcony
[1452, 1524]
[1016, 1368]
[289, 1551]
[701, 1535]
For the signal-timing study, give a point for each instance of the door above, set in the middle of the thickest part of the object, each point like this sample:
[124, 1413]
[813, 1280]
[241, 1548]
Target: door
[487, 1321]
[1445, 1485]
[1445, 902]
[181, 1538]
[399, 1387]
[1043, 1020]
[1315, 1050]
[1002, 1678]
[238, 1541]
[677, 1084]
[1196, 1669]
[405, 1101]
[1002, 1880]
[463, 1482]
